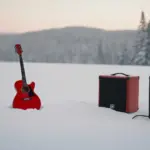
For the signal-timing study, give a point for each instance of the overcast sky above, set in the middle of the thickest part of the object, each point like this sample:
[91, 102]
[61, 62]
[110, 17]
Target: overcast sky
[27, 15]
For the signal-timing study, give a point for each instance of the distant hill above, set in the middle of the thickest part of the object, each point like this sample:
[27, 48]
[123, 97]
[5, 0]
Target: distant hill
[68, 45]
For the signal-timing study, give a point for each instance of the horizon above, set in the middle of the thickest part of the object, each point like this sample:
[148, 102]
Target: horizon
[20, 16]
[57, 28]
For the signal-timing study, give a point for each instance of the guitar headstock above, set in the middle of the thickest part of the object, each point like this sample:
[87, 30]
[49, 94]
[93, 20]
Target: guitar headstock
[18, 49]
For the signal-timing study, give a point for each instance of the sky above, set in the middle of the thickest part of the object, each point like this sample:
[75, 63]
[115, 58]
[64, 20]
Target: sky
[33, 15]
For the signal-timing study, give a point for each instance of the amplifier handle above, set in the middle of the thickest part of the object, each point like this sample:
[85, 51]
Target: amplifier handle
[120, 73]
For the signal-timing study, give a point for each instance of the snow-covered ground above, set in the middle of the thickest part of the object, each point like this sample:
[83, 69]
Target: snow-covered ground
[70, 118]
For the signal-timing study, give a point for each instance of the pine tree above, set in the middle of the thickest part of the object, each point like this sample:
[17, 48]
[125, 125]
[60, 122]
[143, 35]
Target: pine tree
[141, 42]
[147, 51]
[100, 53]
[124, 56]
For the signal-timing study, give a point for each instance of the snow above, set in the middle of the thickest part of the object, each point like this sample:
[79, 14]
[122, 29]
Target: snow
[70, 118]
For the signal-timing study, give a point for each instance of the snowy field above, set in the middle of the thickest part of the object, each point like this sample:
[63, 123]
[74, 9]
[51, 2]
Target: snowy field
[70, 118]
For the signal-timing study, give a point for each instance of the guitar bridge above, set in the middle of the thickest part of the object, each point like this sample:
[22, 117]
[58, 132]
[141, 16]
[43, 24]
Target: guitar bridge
[27, 98]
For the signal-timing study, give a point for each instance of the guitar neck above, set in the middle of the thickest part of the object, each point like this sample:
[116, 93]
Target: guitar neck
[22, 70]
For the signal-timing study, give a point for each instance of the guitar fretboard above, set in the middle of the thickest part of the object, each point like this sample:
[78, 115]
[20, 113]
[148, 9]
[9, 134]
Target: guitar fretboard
[22, 70]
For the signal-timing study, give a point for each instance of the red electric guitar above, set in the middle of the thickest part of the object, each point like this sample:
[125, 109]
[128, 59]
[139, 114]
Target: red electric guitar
[25, 97]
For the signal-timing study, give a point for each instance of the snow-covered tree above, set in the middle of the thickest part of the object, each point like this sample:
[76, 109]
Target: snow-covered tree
[147, 50]
[100, 53]
[140, 46]
[124, 56]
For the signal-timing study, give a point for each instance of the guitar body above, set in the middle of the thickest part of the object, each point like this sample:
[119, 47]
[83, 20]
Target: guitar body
[26, 100]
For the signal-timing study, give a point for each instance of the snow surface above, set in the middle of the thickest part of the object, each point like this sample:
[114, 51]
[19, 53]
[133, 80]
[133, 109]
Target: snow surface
[70, 118]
